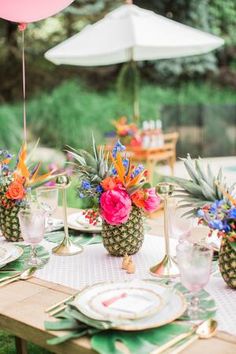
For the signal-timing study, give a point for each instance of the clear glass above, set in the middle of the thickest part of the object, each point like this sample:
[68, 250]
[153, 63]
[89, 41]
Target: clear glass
[32, 224]
[48, 200]
[194, 261]
[179, 226]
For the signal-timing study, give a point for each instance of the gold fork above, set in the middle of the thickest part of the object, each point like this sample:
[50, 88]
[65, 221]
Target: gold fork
[60, 305]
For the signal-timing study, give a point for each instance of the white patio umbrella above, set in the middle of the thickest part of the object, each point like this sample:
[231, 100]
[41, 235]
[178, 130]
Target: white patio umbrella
[130, 33]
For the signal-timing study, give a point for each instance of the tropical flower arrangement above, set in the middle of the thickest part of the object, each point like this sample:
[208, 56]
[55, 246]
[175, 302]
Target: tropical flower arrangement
[119, 186]
[220, 216]
[120, 195]
[127, 133]
[17, 179]
[214, 203]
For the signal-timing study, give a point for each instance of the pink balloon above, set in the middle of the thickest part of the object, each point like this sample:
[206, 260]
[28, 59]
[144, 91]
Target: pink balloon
[30, 10]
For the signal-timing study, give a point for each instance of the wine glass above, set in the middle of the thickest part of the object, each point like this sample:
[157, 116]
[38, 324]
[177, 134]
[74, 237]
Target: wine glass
[194, 261]
[48, 201]
[179, 225]
[32, 224]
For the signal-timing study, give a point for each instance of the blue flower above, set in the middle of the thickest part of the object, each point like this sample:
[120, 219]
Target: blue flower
[232, 213]
[81, 195]
[114, 172]
[200, 213]
[125, 163]
[5, 168]
[117, 148]
[216, 224]
[99, 189]
[226, 227]
[215, 206]
[86, 185]
[137, 170]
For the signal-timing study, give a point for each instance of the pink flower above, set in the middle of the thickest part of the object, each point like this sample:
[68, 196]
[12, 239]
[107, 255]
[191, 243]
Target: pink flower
[152, 201]
[115, 206]
[146, 199]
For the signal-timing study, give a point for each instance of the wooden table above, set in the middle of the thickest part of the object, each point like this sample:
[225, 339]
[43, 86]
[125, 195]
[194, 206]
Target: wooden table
[22, 306]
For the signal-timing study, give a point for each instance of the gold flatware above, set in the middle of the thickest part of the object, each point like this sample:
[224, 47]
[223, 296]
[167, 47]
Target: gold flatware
[11, 271]
[28, 273]
[204, 330]
[60, 304]
[176, 349]
[9, 277]
[57, 310]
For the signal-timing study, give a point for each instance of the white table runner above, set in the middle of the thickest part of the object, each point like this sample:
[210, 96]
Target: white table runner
[95, 265]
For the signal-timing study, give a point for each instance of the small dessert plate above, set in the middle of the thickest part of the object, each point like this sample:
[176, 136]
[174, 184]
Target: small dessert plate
[77, 221]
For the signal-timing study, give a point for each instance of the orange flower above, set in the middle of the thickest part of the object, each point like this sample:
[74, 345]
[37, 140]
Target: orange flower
[18, 178]
[15, 191]
[138, 198]
[5, 162]
[110, 183]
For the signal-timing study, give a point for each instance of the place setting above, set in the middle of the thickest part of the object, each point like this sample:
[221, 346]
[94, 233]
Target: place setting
[80, 230]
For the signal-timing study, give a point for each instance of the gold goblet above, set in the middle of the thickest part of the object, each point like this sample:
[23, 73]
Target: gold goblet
[168, 266]
[66, 247]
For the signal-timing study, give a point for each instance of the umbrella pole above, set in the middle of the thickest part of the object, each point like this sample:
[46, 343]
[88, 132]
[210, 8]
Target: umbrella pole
[136, 110]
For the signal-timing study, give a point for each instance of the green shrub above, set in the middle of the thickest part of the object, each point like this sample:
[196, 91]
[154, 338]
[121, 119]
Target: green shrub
[68, 114]
[10, 128]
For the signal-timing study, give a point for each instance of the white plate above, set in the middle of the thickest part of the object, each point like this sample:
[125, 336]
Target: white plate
[5, 252]
[77, 221]
[16, 252]
[173, 307]
[57, 225]
[126, 303]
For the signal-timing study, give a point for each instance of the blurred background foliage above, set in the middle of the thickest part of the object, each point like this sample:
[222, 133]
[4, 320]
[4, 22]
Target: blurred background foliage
[194, 95]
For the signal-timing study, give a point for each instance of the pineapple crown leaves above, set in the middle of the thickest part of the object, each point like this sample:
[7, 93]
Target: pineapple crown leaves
[202, 188]
[93, 167]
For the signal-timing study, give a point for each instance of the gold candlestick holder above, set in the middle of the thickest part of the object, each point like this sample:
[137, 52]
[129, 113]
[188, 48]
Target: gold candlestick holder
[167, 267]
[66, 247]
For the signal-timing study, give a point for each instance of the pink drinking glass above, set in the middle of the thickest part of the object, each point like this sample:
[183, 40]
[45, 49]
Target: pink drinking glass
[32, 224]
[194, 261]
[179, 226]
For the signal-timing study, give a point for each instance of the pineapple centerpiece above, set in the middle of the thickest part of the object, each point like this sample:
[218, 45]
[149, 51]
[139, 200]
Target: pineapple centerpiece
[127, 133]
[120, 195]
[214, 203]
[16, 182]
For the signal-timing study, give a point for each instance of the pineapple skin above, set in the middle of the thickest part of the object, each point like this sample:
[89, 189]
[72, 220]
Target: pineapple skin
[227, 263]
[9, 224]
[126, 238]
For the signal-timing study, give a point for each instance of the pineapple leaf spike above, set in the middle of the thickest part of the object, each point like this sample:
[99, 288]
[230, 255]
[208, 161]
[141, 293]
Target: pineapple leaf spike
[202, 188]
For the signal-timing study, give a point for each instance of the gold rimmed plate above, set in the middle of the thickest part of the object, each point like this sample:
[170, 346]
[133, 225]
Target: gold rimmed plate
[173, 306]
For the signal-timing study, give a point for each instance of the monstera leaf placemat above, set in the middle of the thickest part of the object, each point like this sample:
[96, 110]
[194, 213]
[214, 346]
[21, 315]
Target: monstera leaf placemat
[21, 263]
[79, 238]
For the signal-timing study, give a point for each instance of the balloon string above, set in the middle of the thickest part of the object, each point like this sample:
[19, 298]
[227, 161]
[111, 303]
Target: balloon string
[23, 84]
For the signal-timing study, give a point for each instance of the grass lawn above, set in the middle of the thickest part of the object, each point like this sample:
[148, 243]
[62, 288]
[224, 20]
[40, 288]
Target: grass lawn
[7, 345]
